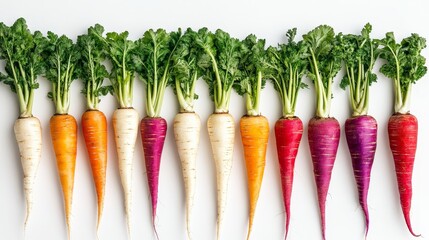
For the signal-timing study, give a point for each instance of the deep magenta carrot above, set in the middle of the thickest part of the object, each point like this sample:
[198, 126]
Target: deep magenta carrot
[323, 137]
[154, 51]
[153, 131]
[288, 65]
[323, 130]
[359, 53]
[361, 134]
[288, 133]
[404, 65]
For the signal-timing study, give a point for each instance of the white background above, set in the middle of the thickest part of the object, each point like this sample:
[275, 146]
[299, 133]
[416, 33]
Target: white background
[267, 19]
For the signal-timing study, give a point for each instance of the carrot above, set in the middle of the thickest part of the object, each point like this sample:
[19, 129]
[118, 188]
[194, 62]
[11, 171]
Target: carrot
[254, 128]
[323, 130]
[221, 131]
[61, 57]
[94, 128]
[254, 136]
[219, 63]
[359, 53]
[94, 123]
[21, 51]
[405, 66]
[288, 133]
[120, 51]
[187, 123]
[288, 63]
[187, 127]
[154, 52]
[64, 139]
[403, 129]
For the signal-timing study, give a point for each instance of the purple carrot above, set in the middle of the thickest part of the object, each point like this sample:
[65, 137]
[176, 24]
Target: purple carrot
[323, 137]
[361, 134]
[288, 133]
[153, 132]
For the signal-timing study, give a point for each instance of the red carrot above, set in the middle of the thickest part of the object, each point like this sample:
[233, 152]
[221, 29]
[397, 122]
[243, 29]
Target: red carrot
[288, 64]
[288, 133]
[405, 65]
[323, 131]
[359, 55]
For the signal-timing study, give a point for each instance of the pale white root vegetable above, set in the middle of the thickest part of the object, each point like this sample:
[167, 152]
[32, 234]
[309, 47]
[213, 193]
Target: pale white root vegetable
[28, 133]
[125, 127]
[221, 128]
[187, 134]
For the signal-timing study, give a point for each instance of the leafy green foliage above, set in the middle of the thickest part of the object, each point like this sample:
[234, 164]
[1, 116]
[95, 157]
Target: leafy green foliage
[61, 58]
[120, 51]
[219, 64]
[153, 63]
[287, 65]
[359, 53]
[404, 64]
[185, 70]
[92, 71]
[325, 63]
[22, 52]
[253, 68]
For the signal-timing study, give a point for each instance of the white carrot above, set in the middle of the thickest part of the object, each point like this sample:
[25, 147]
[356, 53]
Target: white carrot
[21, 50]
[187, 123]
[125, 127]
[187, 134]
[219, 63]
[125, 119]
[28, 133]
[221, 132]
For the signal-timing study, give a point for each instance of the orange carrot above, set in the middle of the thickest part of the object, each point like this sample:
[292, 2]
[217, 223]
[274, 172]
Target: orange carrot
[64, 139]
[94, 126]
[254, 136]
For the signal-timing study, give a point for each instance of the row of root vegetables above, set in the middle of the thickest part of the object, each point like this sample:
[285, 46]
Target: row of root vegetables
[179, 59]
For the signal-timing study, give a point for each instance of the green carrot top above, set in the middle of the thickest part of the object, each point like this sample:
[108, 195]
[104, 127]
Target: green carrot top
[92, 71]
[288, 64]
[359, 53]
[120, 51]
[185, 71]
[324, 65]
[21, 51]
[219, 65]
[253, 68]
[61, 57]
[404, 64]
[153, 61]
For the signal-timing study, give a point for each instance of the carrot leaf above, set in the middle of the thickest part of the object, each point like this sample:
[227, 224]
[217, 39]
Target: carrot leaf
[404, 65]
[288, 63]
[253, 68]
[185, 71]
[324, 65]
[21, 51]
[219, 65]
[359, 53]
[120, 51]
[92, 71]
[61, 58]
[153, 63]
